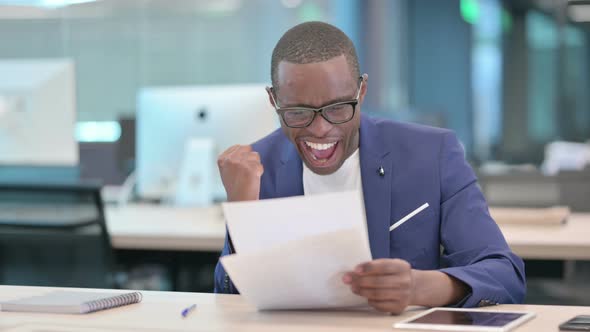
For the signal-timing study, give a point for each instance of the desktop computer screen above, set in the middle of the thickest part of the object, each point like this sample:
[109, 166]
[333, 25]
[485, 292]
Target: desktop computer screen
[168, 118]
[37, 113]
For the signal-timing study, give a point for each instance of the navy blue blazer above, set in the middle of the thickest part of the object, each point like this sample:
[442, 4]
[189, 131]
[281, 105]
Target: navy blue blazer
[455, 234]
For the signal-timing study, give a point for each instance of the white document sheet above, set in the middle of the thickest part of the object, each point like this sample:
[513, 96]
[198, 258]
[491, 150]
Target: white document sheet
[293, 252]
[260, 225]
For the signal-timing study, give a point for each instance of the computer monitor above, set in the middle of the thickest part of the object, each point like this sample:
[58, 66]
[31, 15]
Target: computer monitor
[168, 117]
[37, 113]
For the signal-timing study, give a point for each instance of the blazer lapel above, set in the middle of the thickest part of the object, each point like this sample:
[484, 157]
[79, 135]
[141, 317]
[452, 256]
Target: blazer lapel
[376, 187]
[289, 181]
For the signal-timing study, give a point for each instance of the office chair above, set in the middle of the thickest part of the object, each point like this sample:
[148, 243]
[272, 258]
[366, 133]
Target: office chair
[54, 235]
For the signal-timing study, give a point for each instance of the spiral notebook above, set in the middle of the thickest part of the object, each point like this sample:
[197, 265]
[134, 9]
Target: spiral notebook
[71, 302]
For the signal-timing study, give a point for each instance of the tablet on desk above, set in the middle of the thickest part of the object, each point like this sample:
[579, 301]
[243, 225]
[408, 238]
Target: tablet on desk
[450, 319]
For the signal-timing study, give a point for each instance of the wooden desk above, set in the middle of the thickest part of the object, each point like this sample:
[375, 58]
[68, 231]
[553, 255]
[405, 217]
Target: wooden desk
[159, 227]
[565, 242]
[160, 311]
[156, 227]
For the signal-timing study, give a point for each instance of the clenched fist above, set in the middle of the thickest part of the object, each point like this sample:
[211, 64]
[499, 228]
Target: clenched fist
[240, 170]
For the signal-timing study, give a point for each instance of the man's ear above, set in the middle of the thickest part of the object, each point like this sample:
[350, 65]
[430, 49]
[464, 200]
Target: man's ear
[365, 81]
[270, 92]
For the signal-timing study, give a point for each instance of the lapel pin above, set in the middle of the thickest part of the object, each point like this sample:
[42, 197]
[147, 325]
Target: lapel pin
[381, 171]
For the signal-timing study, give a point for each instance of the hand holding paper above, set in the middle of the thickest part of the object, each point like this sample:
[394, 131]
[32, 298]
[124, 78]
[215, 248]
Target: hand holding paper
[388, 284]
[293, 252]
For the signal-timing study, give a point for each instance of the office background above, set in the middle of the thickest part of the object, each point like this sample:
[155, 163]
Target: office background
[508, 77]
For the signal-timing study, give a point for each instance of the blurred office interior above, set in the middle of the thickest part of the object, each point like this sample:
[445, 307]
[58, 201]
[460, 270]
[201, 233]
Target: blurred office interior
[510, 77]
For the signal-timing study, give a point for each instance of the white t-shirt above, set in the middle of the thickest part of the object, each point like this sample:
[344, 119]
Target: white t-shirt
[346, 178]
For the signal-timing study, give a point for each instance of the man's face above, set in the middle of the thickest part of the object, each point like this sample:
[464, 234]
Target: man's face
[322, 146]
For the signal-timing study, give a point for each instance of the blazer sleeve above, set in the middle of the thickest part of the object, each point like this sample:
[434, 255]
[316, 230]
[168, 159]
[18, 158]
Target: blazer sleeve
[474, 249]
[223, 283]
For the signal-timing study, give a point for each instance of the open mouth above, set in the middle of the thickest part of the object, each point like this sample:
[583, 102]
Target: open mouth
[320, 154]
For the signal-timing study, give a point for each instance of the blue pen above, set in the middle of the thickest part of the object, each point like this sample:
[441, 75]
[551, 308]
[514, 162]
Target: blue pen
[188, 310]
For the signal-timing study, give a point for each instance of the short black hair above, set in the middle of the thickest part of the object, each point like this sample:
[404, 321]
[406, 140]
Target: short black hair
[311, 42]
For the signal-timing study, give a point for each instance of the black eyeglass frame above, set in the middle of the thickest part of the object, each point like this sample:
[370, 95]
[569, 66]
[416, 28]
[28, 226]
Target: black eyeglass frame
[282, 110]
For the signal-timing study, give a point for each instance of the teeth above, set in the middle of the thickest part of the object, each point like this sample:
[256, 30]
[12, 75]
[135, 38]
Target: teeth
[320, 146]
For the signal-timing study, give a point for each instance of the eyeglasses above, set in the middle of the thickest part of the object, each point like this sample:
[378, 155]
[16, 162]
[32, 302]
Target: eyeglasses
[301, 117]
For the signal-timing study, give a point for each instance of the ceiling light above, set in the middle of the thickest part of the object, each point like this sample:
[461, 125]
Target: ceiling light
[579, 13]
[43, 3]
[291, 3]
